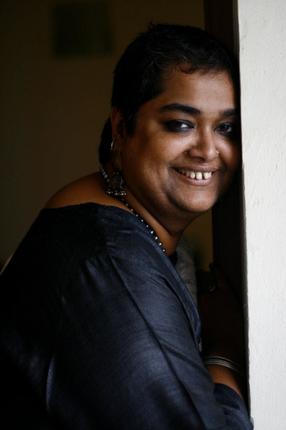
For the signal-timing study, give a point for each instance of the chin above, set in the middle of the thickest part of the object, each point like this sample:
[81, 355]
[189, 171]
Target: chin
[200, 207]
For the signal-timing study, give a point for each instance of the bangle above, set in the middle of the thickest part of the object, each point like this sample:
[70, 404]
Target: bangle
[218, 360]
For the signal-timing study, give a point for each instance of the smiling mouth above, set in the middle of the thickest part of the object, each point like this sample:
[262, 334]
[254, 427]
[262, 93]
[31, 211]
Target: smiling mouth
[195, 174]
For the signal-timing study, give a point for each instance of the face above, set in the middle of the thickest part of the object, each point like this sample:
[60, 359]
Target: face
[184, 150]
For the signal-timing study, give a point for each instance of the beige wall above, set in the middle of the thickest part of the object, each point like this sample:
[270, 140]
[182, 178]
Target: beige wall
[262, 41]
[52, 109]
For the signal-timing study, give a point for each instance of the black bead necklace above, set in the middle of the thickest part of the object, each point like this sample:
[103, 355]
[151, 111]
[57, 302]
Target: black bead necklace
[121, 197]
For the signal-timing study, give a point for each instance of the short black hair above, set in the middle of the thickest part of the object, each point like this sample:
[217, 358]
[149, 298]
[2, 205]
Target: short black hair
[139, 73]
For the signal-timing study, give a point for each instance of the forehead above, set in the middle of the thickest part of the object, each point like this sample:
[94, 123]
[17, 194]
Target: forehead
[204, 90]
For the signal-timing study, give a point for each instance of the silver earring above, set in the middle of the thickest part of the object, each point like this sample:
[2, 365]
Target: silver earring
[111, 145]
[114, 184]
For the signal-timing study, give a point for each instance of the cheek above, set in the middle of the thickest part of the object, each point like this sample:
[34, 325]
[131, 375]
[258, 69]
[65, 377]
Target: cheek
[137, 157]
[232, 157]
[236, 157]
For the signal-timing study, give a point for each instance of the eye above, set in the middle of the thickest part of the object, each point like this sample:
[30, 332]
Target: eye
[227, 129]
[178, 126]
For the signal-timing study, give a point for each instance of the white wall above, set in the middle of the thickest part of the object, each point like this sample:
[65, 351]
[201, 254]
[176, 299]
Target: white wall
[262, 36]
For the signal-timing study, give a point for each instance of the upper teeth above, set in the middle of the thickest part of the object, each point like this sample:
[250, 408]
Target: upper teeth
[196, 175]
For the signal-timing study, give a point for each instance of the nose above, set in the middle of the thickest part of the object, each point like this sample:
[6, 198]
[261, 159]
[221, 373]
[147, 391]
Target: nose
[204, 146]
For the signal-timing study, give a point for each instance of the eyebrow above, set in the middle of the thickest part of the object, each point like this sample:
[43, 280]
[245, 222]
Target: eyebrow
[191, 110]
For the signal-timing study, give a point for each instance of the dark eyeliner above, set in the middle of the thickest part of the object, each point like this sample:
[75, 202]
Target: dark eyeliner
[227, 129]
[178, 126]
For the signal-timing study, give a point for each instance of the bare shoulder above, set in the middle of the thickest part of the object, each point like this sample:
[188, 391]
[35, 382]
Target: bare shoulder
[83, 190]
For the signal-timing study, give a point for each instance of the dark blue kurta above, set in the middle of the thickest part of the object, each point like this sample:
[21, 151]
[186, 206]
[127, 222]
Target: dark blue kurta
[98, 331]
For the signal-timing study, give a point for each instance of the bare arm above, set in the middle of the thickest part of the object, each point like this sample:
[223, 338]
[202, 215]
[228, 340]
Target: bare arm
[222, 331]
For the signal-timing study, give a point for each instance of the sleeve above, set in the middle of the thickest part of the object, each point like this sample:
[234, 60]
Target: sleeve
[233, 406]
[127, 357]
[30, 312]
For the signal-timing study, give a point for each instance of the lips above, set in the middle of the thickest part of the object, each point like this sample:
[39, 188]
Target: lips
[198, 175]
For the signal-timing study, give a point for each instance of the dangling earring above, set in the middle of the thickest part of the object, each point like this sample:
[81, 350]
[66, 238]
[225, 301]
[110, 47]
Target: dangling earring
[114, 184]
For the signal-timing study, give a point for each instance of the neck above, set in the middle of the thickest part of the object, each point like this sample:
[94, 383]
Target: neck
[168, 228]
[167, 224]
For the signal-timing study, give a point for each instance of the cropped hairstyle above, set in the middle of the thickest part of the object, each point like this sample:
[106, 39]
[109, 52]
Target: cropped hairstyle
[139, 73]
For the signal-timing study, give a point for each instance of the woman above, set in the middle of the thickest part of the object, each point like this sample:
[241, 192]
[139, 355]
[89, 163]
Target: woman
[98, 329]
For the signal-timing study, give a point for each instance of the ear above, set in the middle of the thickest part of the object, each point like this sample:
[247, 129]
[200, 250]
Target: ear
[118, 136]
[117, 124]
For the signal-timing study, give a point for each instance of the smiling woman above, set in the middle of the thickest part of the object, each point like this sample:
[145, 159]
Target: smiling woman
[98, 329]
[183, 152]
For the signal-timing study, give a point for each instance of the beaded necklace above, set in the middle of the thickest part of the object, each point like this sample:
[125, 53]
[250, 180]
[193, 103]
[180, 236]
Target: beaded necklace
[121, 197]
